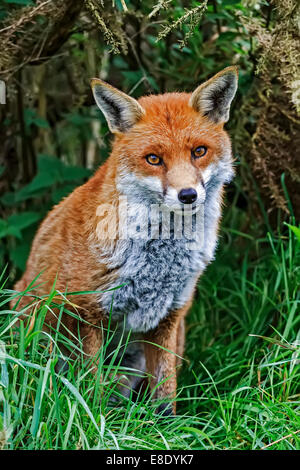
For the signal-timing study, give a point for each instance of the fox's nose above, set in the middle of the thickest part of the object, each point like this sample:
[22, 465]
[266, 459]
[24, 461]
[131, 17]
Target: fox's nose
[187, 196]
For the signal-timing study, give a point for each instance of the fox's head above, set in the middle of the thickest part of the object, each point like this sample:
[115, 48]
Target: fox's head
[170, 148]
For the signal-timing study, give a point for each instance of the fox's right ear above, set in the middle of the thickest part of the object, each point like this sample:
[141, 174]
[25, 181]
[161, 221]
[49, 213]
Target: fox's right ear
[120, 110]
[213, 98]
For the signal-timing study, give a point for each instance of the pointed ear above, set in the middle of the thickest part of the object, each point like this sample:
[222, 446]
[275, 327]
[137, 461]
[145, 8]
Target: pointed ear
[120, 110]
[213, 98]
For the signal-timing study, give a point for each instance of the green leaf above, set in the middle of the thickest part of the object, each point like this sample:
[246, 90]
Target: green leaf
[119, 62]
[48, 163]
[50, 172]
[40, 181]
[132, 77]
[14, 231]
[73, 173]
[294, 229]
[23, 220]
[31, 118]
[6, 229]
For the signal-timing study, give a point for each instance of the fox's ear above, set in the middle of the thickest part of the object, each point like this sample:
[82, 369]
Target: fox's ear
[213, 98]
[120, 110]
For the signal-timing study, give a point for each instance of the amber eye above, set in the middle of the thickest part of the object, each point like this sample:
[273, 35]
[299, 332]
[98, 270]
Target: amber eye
[199, 152]
[153, 159]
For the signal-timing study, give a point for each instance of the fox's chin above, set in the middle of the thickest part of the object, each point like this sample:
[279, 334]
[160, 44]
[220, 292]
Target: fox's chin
[183, 209]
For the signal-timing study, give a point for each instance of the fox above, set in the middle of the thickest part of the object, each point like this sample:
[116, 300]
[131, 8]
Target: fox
[169, 150]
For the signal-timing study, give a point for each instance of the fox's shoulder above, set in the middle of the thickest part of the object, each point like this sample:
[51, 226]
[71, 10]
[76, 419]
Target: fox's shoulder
[92, 186]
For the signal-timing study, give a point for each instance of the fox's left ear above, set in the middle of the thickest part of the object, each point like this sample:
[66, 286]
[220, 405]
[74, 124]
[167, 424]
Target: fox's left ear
[120, 110]
[213, 98]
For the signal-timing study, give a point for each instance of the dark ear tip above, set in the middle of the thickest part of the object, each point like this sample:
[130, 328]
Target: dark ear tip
[232, 69]
[98, 81]
[93, 82]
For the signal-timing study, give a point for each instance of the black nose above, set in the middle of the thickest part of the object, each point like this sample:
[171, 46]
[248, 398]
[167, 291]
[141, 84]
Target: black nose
[187, 196]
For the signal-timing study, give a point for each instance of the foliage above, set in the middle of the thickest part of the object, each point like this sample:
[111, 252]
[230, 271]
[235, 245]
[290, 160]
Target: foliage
[274, 104]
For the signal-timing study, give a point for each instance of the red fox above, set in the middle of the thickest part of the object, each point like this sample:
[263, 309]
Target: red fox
[169, 150]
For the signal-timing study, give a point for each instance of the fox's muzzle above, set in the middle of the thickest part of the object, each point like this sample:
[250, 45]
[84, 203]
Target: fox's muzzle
[187, 195]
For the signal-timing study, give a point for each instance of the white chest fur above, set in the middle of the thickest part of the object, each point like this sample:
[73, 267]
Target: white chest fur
[159, 275]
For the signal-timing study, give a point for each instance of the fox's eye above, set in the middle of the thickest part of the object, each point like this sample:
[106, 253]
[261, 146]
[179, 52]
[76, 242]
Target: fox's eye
[199, 152]
[153, 159]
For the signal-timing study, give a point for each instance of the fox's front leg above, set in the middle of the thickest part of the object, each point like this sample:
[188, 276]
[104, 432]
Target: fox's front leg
[161, 360]
[92, 339]
[92, 328]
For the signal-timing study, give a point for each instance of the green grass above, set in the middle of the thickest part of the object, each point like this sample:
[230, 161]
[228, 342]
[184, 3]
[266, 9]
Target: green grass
[236, 391]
